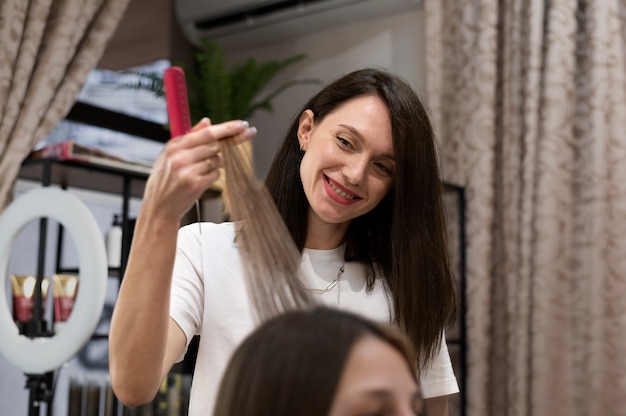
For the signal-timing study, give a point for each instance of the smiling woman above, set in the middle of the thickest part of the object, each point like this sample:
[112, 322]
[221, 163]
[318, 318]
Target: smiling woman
[355, 184]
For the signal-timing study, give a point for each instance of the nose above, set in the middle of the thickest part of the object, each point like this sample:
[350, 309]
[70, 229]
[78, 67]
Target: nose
[355, 169]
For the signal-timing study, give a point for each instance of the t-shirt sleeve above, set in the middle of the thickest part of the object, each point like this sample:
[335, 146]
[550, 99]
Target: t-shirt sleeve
[186, 301]
[439, 379]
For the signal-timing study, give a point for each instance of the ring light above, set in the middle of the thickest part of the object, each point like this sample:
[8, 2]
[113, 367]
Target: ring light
[40, 355]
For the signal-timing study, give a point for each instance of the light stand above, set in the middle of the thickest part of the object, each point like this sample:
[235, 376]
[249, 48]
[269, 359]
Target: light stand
[33, 348]
[41, 388]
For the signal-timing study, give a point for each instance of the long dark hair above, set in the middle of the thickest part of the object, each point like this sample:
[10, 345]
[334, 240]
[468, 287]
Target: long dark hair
[292, 364]
[405, 234]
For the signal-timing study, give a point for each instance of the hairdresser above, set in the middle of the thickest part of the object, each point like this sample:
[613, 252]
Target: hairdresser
[357, 183]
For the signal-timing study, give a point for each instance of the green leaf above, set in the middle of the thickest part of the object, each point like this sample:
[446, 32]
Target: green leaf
[224, 93]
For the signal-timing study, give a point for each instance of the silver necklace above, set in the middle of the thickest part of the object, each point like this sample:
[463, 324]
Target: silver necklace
[331, 285]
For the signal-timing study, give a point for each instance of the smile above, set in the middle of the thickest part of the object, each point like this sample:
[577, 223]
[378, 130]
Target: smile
[339, 194]
[339, 191]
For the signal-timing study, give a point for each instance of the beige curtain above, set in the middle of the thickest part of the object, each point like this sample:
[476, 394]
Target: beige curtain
[529, 102]
[47, 49]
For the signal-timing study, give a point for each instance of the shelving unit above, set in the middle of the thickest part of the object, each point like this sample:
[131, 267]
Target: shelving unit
[69, 174]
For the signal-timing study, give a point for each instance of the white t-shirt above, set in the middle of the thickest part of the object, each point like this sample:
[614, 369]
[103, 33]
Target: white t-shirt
[209, 298]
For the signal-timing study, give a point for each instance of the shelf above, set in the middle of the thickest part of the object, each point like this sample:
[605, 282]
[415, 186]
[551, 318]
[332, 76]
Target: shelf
[114, 120]
[82, 175]
[75, 270]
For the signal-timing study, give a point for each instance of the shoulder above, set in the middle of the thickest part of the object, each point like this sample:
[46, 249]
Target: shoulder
[211, 227]
[196, 238]
[206, 231]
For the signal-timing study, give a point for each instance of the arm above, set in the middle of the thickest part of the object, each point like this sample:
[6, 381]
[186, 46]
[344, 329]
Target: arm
[144, 341]
[437, 406]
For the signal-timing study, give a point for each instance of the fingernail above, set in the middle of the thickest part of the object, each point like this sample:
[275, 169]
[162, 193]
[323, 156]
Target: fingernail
[250, 131]
[244, 123]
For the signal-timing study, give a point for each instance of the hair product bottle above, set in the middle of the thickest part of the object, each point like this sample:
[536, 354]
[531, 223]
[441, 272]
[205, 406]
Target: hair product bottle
[114, 242]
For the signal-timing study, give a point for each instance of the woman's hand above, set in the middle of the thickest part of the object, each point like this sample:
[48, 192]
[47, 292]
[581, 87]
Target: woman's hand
[187, 166]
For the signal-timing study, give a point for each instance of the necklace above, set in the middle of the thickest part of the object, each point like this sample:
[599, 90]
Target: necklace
[331, 285]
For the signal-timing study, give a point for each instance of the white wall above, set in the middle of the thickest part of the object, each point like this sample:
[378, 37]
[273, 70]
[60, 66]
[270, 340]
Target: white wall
[393, 42]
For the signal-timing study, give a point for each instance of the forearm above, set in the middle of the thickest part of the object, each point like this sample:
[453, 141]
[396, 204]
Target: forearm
[437, 406]
[139, 328]
[143, 341]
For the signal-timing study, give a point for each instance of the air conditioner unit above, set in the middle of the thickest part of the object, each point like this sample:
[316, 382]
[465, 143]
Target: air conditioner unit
[239, 24]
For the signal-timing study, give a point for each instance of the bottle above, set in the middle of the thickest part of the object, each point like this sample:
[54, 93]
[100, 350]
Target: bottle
[114, 242]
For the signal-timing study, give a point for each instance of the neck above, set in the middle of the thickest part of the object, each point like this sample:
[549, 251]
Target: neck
[325, 236]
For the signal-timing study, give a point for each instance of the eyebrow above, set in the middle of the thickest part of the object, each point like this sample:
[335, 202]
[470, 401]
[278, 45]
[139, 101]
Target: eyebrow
[353, 130]
[378, 393]
[360, 137]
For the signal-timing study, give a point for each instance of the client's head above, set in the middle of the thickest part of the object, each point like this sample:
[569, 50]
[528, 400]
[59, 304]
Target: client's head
[321, 362]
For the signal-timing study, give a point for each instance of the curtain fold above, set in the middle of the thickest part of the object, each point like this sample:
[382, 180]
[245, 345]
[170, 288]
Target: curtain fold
[48, 49]
[529, 102]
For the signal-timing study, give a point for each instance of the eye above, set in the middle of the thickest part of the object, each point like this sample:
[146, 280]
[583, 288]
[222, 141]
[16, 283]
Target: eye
[343, 141]
[385, 169]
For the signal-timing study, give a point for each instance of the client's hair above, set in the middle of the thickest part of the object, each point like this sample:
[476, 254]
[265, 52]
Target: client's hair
[271, 260]
[292, 364]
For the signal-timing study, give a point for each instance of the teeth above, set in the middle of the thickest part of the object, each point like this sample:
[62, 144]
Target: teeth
[339, 191]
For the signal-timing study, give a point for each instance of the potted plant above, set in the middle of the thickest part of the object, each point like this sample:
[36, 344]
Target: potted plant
[224, 92]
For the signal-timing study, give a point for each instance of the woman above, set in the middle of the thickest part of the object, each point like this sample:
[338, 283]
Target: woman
[357, 183]
[321, 362]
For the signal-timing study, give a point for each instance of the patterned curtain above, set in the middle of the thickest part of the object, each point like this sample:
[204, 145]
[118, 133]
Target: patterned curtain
[529, 100]
[47, 49]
